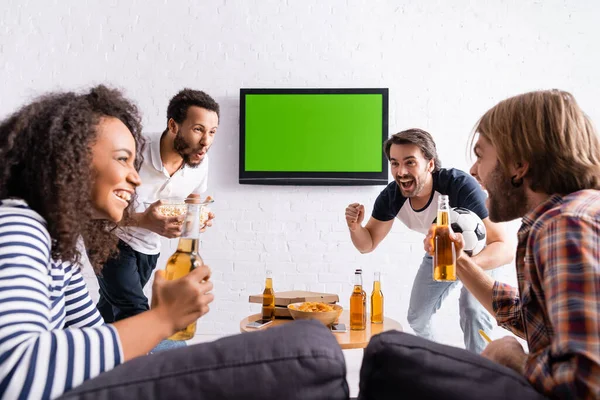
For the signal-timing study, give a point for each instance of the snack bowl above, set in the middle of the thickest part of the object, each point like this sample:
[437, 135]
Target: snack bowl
[325, 317]
[169, 207]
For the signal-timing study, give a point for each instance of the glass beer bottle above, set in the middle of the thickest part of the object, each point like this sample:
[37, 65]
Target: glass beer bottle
[444, 256]
[358, 304]
[186, 257]
[377, 300]
[268, 306]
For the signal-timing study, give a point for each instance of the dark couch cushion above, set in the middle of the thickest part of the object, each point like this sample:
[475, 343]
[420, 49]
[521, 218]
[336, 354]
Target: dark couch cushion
[299, 360]
[398, 365]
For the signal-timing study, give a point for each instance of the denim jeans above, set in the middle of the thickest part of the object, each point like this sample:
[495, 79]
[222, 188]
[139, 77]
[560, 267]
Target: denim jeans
[426, 298]
[168, 345]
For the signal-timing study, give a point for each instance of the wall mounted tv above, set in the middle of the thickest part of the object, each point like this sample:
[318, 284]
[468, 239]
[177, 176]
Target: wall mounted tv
[313, 136]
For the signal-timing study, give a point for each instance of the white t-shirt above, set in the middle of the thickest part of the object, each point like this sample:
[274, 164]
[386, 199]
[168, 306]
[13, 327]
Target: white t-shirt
[461, 188]
[157, 184]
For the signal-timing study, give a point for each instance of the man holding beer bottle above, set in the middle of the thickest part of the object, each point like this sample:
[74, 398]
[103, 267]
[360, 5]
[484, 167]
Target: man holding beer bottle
[538, 155]
[175, 166]
[412, 198]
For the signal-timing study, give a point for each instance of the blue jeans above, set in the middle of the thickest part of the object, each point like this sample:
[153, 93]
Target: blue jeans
[426, 298]
[168, 345]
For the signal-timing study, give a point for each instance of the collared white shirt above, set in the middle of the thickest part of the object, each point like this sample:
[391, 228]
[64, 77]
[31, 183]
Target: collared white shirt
[157, 184]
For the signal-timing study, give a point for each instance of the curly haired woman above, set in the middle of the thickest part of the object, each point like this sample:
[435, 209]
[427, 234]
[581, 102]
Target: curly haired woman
[70, 172]
[69, 176]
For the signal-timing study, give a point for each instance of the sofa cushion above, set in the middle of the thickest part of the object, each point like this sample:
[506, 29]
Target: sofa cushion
[298, 360]
[397, 365]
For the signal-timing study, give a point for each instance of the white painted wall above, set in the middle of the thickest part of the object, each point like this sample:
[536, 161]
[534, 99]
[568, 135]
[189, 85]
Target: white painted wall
[445, 63]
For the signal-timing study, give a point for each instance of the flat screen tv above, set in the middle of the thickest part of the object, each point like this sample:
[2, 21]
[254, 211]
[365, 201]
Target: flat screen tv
[313, 136]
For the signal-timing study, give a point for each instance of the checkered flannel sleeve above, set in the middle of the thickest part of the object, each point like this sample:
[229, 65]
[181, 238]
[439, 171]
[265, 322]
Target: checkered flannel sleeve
[568, 259]
[507, 308]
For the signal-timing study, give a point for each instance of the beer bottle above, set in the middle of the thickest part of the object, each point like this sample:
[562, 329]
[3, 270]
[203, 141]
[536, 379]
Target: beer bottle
[444, 257]
[377, 300]
[358, 304]
[186, 257]
[268, 307]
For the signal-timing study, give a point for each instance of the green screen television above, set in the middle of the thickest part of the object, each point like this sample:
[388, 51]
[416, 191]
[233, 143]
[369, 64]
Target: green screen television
[313, 136]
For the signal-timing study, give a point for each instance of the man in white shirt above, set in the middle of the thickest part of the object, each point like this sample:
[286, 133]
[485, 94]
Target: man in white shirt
[175, 165]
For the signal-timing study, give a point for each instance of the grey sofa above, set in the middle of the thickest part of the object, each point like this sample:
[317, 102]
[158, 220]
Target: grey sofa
[398, 365]
[299, 360]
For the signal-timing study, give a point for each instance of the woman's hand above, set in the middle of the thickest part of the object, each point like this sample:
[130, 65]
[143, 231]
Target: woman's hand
[184, 300]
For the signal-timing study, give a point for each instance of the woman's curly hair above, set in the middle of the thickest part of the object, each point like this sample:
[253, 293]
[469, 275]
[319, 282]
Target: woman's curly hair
[46, 151]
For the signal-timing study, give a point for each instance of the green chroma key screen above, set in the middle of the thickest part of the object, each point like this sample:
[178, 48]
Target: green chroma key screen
[313, 132]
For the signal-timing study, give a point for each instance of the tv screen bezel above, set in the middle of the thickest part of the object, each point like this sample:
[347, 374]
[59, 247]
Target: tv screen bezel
[313, 178]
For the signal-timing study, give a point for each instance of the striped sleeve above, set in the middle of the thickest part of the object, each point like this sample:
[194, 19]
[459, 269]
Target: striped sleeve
[37, 361]
[80, 311]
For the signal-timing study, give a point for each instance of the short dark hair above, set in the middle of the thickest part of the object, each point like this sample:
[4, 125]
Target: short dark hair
[186, 98]
[46, 153]
[419, 138]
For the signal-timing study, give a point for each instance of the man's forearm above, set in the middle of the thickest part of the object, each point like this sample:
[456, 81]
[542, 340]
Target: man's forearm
[476, 281]
[494, 255]
[361, 238]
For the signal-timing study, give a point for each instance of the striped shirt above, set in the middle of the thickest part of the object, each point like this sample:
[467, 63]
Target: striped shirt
[557, 306]
[39, 298]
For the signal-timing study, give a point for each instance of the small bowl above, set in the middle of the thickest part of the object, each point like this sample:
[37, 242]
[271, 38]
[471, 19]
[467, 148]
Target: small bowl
[171, 207]
[325, 317]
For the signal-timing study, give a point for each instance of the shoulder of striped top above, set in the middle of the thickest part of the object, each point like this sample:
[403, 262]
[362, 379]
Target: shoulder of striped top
[38, 357]
[20, 207]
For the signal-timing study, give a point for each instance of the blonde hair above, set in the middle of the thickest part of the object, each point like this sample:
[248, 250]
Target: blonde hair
[549, 131]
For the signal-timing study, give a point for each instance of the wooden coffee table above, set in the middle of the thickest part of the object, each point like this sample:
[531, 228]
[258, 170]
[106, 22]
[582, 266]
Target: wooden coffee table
[347, 340]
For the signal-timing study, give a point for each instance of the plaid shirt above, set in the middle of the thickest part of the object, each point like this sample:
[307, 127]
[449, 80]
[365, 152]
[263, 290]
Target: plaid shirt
[557, 306]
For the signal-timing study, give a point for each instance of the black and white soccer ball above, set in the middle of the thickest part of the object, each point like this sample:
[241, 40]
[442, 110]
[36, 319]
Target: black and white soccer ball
[471, 227]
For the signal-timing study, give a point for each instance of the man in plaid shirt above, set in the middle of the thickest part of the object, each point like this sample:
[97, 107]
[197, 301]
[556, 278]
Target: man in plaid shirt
[538, 156]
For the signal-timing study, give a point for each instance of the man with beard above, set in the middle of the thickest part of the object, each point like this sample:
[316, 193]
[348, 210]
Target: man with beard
[175, 166]
[538, 156]
[412, 198]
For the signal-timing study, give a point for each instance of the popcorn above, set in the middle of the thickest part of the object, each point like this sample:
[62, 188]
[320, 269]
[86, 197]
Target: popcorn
[172, 210]
[204, 211]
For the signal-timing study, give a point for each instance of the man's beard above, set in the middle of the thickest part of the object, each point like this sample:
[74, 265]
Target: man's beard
[185, 150]
[419, 183]
[505, 201]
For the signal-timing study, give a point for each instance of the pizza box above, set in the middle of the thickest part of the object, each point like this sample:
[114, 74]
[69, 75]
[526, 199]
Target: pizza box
[282, 299]
[282, 312]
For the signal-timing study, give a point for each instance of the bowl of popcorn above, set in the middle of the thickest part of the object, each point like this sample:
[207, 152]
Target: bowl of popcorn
[172, 207]
[203, 206]
[323, 312]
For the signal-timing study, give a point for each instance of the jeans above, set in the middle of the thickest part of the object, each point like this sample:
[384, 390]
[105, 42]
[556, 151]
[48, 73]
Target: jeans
[121, 283]
[168, 345]
[426, 298]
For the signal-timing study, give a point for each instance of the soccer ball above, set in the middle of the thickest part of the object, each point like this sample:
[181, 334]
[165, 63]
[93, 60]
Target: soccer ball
[471, 227]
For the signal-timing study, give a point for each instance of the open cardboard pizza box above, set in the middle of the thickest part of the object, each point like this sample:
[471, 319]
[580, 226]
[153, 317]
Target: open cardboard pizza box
[282, 299]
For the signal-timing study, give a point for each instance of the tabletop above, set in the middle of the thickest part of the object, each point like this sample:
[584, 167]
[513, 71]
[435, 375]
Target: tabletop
[347, 340]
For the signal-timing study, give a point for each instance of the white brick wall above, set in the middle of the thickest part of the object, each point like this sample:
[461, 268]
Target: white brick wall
[445, 63]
